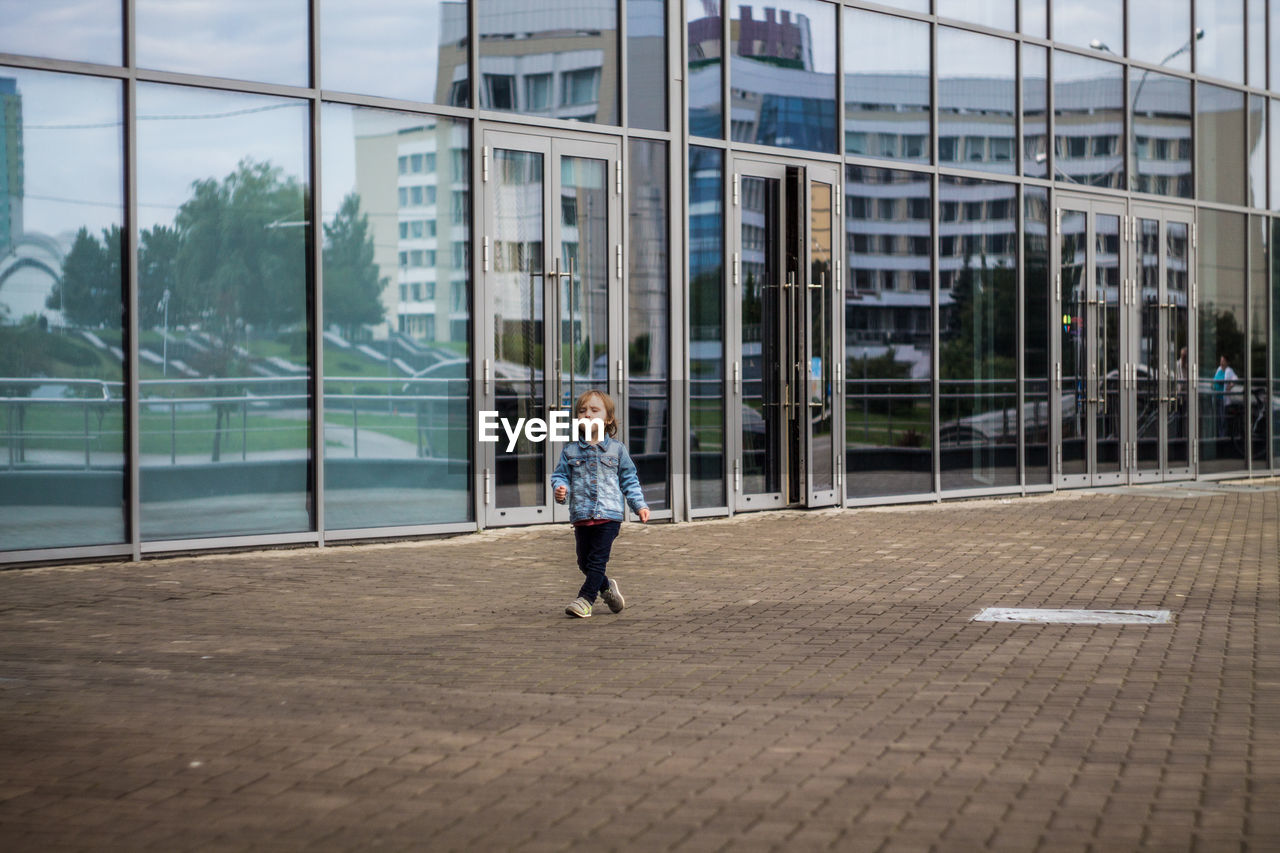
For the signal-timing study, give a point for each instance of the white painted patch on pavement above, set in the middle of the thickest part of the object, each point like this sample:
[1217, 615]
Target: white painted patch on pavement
[1073, 617]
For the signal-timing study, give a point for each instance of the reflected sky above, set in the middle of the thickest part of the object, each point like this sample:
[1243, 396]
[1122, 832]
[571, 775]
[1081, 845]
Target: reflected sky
[83, 30]
[63, 117]
[999, 14]
[1221, 52]
[1164, 36]
[243, 39]
[1081, 22]
[191, 134]
[361, 39]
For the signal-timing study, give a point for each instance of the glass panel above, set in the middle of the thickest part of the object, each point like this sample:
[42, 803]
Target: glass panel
[649, 322]
[1273, 43]
[1160, 32]
[1035, 18]
[1088, 108]
[1256, 151]
[909, 5]
[396, 317]
[1150, 381]
[62, 412]
[1220, 391]
[361, 39]
[1220, 50]
[223, 222]
[1161, 133]
[244, 39]
[888, 338]
[1220, 125]
[821, 400]
[1090, 23]
[978, 339]
[517, 313]
[1256, 33]
[575, 41]
[1177, 278]
[1109, 435]
[1275, 342]
[706, 327]
[1037, 371]
[646, 66]
[1035, 111]
[761, 239]
[977, 98]
[782, 75]
[1258, 400]
[1073, 269]
[80, 30]
[886, 89]
[1273, 123]
[997, 14]
[584, 292]
[705, 53]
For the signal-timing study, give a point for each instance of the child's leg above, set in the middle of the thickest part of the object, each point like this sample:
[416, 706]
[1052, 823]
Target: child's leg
[599, 538]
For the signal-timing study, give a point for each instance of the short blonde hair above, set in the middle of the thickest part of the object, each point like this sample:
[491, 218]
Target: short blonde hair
[611, 421]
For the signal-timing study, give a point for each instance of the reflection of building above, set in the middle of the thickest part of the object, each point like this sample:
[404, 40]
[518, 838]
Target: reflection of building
[779, 96]
[413, 186]
[558, 60]
[11, 190]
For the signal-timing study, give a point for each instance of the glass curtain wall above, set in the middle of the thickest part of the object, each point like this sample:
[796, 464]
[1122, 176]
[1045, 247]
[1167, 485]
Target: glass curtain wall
[888, 332]
[1088, 110]
[1036, 329]
[557, 59]
[78, 30]
[706, 58]
[396, 269]
[62, 343]
[706, 329]
[1257, 401]
[223, 240]
[1161, 137]
[886, 86]
[977, 101]
[978, 333]
[1220, 131]
[361, 39]
[782, 74]
[647, 420]
[1220, 387]
[242, 39]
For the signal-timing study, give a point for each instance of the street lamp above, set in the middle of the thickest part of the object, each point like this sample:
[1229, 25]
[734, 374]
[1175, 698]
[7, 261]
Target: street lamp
[164, 344]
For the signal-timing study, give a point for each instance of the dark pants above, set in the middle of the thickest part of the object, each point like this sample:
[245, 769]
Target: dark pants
[595, 541]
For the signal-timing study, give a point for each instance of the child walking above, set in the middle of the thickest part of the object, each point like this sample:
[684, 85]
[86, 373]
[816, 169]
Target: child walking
[595, 474]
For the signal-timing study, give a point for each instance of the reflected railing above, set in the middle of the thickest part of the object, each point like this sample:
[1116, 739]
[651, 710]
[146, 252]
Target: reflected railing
[66, 431]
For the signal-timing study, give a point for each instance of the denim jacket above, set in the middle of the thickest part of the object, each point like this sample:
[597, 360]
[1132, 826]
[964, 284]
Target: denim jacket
[598, 476]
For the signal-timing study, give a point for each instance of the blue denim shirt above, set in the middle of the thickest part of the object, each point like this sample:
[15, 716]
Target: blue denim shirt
[598, 476]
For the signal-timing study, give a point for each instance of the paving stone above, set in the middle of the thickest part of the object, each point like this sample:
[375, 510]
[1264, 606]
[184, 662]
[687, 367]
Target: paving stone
[779, 681]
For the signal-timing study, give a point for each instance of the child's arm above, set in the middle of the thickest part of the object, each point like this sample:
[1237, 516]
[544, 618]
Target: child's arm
[560, 477]
[630, 482]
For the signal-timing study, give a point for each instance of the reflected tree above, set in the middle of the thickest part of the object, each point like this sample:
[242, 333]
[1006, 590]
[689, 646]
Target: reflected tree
[352, 287]
[89, 292]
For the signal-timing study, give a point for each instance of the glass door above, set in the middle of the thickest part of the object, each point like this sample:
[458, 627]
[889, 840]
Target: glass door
[824, 471]
[1163, 357]
[761, 277]
[786, 413]
[549, 312]
[1095, 410]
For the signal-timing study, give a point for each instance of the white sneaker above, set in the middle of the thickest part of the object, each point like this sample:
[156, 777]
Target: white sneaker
[579, 607]
[612, 596]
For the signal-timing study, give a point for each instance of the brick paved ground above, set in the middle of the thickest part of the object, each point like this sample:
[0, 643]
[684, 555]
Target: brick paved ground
[792, 681]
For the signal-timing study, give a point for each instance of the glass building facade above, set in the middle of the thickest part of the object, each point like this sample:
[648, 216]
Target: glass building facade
[263, 266]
